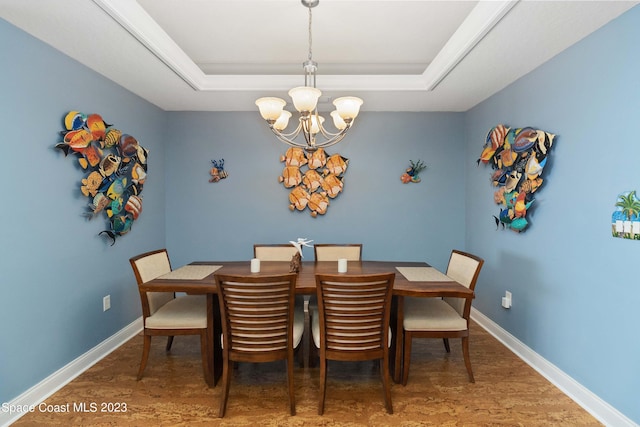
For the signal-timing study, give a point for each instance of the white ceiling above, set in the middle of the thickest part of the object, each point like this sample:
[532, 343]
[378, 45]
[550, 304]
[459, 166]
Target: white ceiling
[220, 55]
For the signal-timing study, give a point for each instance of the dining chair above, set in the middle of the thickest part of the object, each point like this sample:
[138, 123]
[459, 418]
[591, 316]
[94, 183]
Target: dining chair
[163, 313]
[443, 317]
[284, 252]
[257, 324]
[353, 324]
[330, 252]
[334, 252]
[274, 252]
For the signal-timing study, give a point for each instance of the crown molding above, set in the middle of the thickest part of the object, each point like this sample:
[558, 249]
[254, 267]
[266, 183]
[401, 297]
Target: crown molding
[133, 18]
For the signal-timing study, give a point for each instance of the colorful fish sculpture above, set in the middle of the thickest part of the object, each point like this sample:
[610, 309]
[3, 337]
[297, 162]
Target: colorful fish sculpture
[115, 165]
[518, 157]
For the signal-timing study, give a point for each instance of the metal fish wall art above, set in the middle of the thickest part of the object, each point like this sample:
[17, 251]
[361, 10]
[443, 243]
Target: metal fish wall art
[411, 173]
[217, 172]
[115, 167]
[518, 157]
[313, 178]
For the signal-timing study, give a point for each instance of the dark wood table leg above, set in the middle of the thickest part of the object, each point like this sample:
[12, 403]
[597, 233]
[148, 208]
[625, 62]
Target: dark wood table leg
[399, 339]
[210, 336]
[214, 347]
[217, 343]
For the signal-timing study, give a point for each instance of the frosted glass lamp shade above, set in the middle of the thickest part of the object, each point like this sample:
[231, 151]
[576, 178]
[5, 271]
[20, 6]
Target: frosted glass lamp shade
[270, 107]
[283, 120]
[305, 98]
[314, 123]
[348, 107]
[337, 120]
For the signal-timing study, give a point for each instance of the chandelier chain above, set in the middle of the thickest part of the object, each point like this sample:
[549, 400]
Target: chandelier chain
[310, 40]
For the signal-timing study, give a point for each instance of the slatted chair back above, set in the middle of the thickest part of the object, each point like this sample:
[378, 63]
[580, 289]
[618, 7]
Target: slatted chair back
[354, 313]
[257, 314]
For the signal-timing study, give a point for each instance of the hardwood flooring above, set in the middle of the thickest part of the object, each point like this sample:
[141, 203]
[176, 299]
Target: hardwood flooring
[507, 392]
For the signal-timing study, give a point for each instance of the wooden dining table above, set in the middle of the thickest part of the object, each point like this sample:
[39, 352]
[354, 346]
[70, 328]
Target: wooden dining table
[413, 279]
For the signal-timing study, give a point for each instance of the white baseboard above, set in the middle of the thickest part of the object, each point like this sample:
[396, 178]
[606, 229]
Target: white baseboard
[54, 382]
[601, 410]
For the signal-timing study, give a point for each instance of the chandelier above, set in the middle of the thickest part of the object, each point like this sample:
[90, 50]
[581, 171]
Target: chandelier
[305, 99]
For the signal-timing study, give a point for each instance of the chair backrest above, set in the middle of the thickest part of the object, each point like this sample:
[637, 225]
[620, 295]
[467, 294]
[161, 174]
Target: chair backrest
[334, 252]
[148, 266]
[257, 316]
[464, 268]
[277, 252]
[354, 315]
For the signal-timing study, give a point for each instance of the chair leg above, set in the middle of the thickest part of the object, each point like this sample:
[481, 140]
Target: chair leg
[298, 352]
[292, 396]
[169, 343]
[323, 385]
[467, 359]
[313, 354]
[206, 368]
[226, 381]
[408, 338]
[146, 346]
[386, 384]
[446, 344]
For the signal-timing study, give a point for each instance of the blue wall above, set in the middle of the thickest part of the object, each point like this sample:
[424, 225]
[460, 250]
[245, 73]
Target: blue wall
[573, 284]
[393, 220]
[575, 288]
[54, 268]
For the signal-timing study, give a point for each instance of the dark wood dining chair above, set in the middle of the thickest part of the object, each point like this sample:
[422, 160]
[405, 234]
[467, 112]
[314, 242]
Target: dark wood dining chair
[330, 252]
[163, 313]
[257, 325]
[443, 317]
[336, 251]
[284, 252]
[353, 323]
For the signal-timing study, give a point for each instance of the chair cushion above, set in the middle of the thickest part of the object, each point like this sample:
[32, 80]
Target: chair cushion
[315, 327]
[298, 325]
[185, 312]
[431, 314]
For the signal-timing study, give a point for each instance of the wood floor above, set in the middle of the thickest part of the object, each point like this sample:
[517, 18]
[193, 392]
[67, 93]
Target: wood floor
[507, 392]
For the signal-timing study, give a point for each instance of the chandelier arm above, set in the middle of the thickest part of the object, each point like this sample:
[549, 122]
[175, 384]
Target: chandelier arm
[330, 135]
[332, 141]
[291, 135]
[286, 140]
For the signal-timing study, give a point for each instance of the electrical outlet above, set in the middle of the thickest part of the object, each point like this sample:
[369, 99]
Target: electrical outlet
[506, 300]
[106, 303]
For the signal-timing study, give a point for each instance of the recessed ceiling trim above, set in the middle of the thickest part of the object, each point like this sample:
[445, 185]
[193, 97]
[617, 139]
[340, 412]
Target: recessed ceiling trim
[480, 21]
[132, 17]
[139, 24]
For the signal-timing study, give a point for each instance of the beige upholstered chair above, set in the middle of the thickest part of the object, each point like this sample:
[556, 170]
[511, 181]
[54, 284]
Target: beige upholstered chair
[353, 323]
[277, 252]
[257, 324]
[443, 317]
[165, 314]
[283, 252]
[334, 252]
